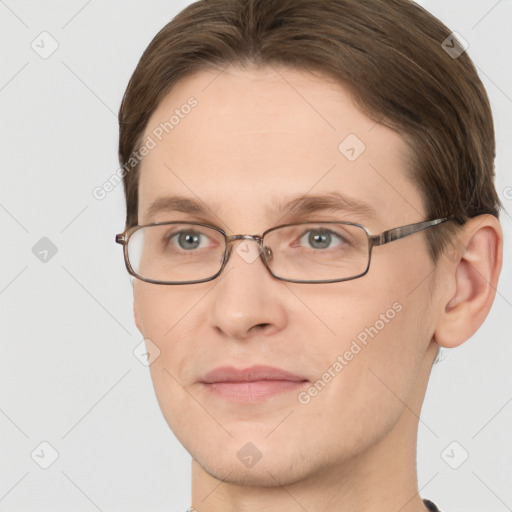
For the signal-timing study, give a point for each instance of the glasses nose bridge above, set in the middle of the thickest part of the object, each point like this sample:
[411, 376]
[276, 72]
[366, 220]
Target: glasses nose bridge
[256, 238]
[230, 239]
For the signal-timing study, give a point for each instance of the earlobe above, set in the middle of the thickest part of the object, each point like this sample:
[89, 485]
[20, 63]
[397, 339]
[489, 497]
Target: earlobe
[473, 270]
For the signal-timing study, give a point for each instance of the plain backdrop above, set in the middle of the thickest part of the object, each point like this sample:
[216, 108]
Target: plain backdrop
[72, 392]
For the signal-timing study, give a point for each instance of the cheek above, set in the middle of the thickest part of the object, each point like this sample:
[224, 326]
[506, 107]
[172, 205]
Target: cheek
[382, 332]
[163, 319]
[158, 308]
[367, 396]
[168, 317]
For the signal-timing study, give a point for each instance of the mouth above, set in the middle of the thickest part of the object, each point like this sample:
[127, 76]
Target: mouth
[250, 385]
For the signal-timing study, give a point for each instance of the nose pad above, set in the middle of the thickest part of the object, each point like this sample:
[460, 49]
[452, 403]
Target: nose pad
[266, 251]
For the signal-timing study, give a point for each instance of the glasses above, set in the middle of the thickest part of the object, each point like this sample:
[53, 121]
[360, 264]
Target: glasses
[306, 252]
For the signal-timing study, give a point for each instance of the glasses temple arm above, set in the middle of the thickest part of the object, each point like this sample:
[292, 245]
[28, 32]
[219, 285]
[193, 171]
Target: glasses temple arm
[396, 233]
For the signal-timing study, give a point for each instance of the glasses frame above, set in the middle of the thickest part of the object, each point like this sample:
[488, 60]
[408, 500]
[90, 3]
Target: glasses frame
[383, 238]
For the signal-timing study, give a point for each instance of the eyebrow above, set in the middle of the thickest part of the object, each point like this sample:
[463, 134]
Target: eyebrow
[333, 201]
[298, 206]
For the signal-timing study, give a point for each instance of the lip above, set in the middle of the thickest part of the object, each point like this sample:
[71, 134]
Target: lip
[254, 384]
[251, 374]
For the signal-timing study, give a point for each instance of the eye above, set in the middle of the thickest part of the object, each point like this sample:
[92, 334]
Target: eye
[187, 240]
[322, 238]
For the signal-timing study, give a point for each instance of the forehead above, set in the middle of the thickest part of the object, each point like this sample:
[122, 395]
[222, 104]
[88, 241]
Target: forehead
[238, 140]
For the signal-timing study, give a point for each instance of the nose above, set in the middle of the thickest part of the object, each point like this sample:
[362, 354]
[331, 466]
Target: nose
[247, 300]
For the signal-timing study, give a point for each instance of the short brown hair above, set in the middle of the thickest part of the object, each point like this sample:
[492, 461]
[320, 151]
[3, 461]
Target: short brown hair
[387, 53]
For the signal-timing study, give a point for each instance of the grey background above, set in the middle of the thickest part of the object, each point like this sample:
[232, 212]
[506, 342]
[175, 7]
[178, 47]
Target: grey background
[68, 373]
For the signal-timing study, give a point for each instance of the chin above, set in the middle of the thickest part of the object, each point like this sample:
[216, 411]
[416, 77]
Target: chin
[273, 473]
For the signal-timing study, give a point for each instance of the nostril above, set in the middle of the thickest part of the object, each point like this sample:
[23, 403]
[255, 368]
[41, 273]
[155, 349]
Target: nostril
[261, 327]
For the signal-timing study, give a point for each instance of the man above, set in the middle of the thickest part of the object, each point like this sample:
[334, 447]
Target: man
[293, 362]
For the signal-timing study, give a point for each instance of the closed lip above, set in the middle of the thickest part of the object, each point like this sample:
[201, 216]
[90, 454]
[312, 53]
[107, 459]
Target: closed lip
[251, 374]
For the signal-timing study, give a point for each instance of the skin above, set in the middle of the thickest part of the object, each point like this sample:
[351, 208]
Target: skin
[263, 132]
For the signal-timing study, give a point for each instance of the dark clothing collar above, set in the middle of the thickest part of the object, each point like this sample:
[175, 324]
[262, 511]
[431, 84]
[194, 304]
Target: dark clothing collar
[431, 506]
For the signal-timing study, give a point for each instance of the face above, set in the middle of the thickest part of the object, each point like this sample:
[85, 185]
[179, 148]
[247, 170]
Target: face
[256, 139]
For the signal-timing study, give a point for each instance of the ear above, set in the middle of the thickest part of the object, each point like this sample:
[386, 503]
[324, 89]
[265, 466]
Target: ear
[470, 272]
